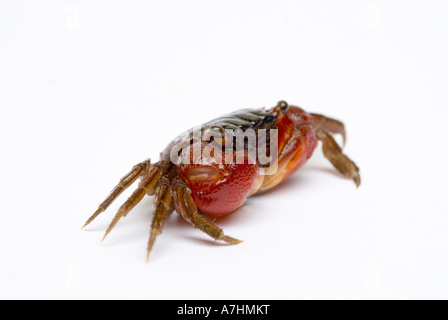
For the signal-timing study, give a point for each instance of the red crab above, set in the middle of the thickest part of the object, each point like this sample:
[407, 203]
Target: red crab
[213, 170]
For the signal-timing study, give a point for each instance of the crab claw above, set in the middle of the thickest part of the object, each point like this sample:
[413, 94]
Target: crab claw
[219, 182]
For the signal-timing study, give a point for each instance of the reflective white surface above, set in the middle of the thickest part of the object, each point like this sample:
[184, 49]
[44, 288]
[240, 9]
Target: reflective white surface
[88, 89]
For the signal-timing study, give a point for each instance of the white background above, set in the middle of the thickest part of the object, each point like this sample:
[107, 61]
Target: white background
[89, 88]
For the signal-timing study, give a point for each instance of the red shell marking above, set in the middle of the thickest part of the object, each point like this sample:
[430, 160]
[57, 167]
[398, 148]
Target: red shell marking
[216, 187]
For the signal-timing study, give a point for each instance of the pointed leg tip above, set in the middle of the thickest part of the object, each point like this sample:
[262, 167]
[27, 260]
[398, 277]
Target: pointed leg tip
[92, 217]
[357, 180]
[104, 237]
[151, 242]
[147, 255]
[230, 240]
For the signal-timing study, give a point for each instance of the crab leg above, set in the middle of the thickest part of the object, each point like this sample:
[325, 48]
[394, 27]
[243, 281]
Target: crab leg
[185, 206]
[341, 162]
[137, 171]
[145, 186]
[164, 207]
[330, 125]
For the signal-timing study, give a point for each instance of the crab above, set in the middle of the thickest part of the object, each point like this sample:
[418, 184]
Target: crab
[211, 169]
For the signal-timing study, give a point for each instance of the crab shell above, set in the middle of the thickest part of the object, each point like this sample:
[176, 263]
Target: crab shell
[218, 188]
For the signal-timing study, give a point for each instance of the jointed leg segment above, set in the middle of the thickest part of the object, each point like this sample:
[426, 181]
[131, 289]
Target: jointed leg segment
[334, 154]
[164, 207]
[137, 171]
[145, 186]
[185, 206]
[170, 192]
[330, 125]
[325, 127]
